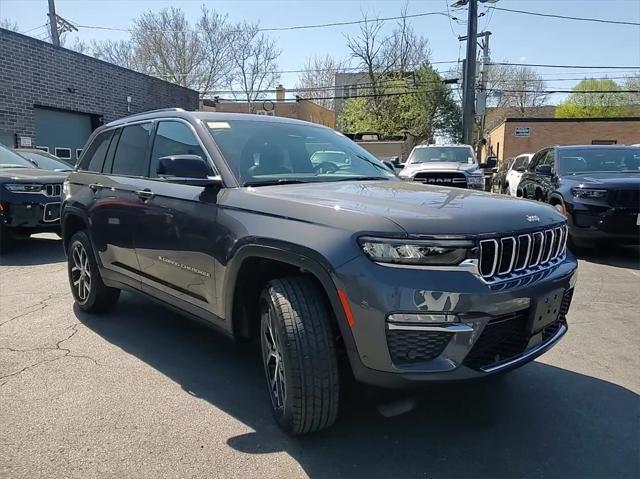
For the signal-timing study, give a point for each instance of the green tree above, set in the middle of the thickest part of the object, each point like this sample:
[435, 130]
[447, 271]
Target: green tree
[583, 103]
[419, 104]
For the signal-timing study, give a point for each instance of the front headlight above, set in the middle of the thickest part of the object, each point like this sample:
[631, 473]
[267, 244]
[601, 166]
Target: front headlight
[24, 187]
[590, 193]
[418, 252]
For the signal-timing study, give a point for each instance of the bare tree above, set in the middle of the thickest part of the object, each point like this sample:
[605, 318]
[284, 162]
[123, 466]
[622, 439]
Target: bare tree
[9, 24]
[367, 48]
[217, 36]
[118, 52]
[317, 80]
[517, 87]
[254, 57]
[404, 50]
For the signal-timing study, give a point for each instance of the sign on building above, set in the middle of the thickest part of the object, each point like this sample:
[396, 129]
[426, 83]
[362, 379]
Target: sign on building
[523, 131]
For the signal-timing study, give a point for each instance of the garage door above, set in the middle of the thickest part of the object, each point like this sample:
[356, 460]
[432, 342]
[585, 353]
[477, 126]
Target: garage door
[62, 133]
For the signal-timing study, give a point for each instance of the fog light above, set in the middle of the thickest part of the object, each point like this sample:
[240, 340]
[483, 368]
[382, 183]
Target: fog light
[422, 318]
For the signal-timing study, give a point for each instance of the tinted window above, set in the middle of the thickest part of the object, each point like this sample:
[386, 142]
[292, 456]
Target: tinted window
[537, 159]
[521, 163]
[9, 159]
[173, 138]
[95, 154]
[45, 162]
[263, 152]
[548, 160]
[581, 160]
[131, 158]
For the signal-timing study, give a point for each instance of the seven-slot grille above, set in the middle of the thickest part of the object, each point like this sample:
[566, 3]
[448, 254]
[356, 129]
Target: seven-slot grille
[512, 254]
[54, 189]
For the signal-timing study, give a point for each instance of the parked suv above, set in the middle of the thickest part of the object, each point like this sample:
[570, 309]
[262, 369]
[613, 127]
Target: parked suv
[597, 187]
[446, 165]
[517, 168]
[328, 265]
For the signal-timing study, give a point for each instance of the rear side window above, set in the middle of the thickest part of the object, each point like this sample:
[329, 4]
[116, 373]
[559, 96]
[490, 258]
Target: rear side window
[131, 154]
[96, 153]
[173, 138]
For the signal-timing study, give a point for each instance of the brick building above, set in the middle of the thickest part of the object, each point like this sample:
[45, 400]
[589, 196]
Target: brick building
[53, 98]
[514, 136]
[299, 109]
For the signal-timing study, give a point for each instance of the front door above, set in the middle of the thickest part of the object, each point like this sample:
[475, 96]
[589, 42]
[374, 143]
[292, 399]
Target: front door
[177, 233]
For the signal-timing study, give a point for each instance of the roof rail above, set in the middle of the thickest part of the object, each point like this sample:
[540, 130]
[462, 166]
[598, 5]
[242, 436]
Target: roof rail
[152, 111]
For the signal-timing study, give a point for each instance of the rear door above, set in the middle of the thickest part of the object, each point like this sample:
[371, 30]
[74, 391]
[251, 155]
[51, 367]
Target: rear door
[118, 205]
[178, 240]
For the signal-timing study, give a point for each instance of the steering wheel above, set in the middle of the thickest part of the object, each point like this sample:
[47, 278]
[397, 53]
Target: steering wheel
[326, 167]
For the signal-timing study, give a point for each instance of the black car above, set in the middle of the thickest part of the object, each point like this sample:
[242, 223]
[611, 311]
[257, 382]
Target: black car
[499, 178]
[29, 198]
[290, 235]
[596, 187]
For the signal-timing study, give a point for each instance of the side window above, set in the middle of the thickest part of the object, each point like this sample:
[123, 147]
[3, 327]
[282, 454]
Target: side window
[550, 158]
[173, 138]
[94, 156]
[131, 154]
[536, 160]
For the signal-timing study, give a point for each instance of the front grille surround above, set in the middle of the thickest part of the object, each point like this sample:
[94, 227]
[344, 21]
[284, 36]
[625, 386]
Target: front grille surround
[52, 189]
[504, 257]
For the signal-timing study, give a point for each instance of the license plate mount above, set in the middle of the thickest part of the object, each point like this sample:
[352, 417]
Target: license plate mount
[547, 310]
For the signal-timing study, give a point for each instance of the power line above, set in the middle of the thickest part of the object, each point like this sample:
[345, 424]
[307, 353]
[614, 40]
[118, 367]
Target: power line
[35, 28]
[542, 65]
[565, 17]
[280, 29]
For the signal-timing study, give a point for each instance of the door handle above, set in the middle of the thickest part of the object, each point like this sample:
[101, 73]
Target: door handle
[95, 187]
[145, 195]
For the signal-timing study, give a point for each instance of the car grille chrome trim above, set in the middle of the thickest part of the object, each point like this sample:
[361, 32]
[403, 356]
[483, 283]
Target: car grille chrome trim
[511, 256]
[54, 189]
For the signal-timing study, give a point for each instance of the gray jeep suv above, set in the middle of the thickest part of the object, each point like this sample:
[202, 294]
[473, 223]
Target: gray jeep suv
[327, 265]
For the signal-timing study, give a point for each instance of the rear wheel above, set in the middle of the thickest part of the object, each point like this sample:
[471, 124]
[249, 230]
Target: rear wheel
[87, 287]
[298, 354]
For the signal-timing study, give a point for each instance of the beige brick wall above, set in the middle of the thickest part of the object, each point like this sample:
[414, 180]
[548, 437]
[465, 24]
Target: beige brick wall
[543, 134]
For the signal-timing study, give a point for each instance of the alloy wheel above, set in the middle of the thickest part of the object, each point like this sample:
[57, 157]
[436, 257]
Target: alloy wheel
[80, 272]
[272, 359]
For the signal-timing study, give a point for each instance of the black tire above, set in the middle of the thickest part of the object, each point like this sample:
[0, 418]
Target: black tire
[305, 396]
[88, 289]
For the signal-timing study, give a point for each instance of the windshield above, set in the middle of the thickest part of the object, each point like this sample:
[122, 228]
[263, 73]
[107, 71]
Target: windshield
[9, 159]
[44, 161]
[432, 154]
[262, 153]
[576, 161]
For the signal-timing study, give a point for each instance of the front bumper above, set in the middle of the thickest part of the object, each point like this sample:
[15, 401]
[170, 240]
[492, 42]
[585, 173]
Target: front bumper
[31, 212]
[496, 331]
[589, 223]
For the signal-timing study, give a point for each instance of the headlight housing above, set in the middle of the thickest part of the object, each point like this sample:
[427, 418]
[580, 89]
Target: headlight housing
[589, 193]
[24, 187]
[416, 252]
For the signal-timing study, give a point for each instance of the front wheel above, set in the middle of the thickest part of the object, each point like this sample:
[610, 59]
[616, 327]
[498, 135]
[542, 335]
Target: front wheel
[87, 287]
[298, 354]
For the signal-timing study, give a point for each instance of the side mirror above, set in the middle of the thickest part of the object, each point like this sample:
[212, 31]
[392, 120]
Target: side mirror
[521, 169]
[389, 165]
[543, 170]
[186, 169]
[490, 162]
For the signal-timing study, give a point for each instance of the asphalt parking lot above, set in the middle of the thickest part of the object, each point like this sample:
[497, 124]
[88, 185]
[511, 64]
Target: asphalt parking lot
[142, 392]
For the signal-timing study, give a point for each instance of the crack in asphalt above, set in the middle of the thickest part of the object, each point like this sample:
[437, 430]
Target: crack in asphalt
[58, 347]
[42, 304]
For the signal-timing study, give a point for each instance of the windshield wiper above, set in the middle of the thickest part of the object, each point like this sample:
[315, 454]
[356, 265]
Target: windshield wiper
[279, 181]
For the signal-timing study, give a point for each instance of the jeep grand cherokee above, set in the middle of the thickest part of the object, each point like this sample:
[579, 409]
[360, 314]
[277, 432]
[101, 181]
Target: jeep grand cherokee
[328, 265]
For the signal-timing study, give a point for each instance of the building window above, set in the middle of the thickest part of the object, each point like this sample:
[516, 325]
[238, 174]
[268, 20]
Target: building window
[63, 153]
[78, 153]
[43, 148]
[604, 142]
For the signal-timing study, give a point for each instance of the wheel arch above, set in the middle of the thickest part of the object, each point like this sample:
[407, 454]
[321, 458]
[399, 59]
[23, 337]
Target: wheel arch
[73, 220]
[254, 264]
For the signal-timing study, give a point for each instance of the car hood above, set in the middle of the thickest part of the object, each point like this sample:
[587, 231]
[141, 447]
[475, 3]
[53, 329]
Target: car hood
[32, 174]
[610, 180]
[415, 208]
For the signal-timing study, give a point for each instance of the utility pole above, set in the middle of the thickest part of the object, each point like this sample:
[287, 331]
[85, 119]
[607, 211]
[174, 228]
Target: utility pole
[53, 23]
[468, 95]
[481, 101]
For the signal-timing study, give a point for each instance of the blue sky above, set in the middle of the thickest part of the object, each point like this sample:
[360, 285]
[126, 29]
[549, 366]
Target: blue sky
[516, 38]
